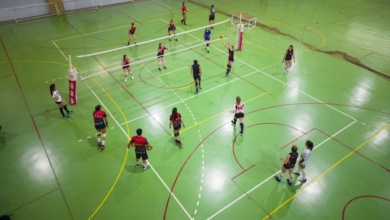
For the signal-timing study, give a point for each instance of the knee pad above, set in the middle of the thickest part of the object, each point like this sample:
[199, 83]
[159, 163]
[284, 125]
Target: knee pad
[207, 44]
[176, 134]
[98, 134]
[104, 135]
[159, 63]
[228, 66]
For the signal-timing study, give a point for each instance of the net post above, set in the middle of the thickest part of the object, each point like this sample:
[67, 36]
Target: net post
[72, 76]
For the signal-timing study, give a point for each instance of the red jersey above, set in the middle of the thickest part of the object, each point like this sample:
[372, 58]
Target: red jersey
[161, 50]
[171, 25]
[231, 54]
[125, 63]
[132, 29]
[177, 120]
[183, 9]
[98, 116]
[140, 143]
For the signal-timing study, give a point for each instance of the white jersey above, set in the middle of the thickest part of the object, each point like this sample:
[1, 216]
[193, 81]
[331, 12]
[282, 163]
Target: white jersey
[239, 108]
[56, 96]
[305, 156]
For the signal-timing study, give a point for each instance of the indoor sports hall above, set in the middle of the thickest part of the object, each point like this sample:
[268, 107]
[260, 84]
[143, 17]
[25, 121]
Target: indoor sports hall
[336, 93]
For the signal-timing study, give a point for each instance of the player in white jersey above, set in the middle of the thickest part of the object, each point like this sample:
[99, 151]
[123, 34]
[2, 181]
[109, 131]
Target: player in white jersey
[57, 98]
[239, 113]
[304, 159]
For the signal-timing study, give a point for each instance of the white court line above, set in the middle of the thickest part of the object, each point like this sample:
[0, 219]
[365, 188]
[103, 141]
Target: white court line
[193, 96]
[59, 50]
[145, 42]
[144, 60]
[270, 177]
[247, 64]
[155, 172]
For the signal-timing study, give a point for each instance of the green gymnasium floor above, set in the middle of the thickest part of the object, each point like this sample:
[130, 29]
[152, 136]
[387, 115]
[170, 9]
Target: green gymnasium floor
[337, 94]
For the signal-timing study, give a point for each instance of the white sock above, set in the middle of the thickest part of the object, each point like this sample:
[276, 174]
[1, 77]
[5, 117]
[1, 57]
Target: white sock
[303, 173]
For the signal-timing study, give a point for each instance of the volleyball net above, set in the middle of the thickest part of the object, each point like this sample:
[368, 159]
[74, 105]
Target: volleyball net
[109, 61]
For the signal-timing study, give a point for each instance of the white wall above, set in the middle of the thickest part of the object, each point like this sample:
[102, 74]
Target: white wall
[9, 9]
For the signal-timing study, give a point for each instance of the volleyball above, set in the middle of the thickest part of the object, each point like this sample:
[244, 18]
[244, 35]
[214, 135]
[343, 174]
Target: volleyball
[221, 36]
[149, 147]
[187, 10]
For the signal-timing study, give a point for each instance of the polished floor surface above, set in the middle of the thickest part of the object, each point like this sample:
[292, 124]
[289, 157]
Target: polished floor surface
[336, 94]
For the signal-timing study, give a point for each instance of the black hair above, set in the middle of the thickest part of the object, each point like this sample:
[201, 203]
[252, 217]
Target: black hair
[139, 131]
[174, 113]
[52, 86]
[195, 62]
[98, 107]
[124, 56]
[309, 144]
[238, 99]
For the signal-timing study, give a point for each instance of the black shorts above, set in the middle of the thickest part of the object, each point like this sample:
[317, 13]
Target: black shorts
[100, 126]
[177, 126]
[143, 155]
[160, 55]
[289, 166]
[211, 17]
[59, 102]
[231, 59]
[239, 115]
[172, 29]
[183, 13]
[131, 32]
[196, 77]
[126, 66]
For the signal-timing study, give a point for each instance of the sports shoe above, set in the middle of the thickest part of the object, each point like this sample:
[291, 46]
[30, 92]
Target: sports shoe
[70, 112]
[136, 164]
[99, 144]
[302, 180]
[102, 146]
[196, 91]
[159, 69]
[128, 43]
[241, 133]
[65, 117]
[145, 166]
[176, 39]
[297, 173]
[208, 51]
[277, 178]
[132, 77]
[180, 144]
[233, 122]
[165, 67]
[289, 182]
[169, 39]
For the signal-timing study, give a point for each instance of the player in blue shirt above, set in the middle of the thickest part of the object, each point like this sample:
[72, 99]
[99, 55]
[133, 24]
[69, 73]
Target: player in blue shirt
[207, 38]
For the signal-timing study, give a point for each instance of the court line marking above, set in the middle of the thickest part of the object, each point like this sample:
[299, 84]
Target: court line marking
[66, 58]
[127, 135]
[216, 115]
[326, 171]
[264, 181]
[167, 106]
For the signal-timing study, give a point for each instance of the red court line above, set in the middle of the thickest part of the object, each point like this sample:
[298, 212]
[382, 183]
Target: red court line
[360, 197]
[304, 134]
[234, 153]
[388, 170]
[6, 75]
[127, 91]
[185, 162]
[36, 128]
[239, 174]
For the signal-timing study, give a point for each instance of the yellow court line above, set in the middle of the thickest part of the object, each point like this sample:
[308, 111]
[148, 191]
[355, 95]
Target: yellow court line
[208, 119]
[127, 152]
[322, 174]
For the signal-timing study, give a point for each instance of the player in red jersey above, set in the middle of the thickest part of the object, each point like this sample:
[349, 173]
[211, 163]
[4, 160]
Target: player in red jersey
[230, 57]
[126, 67]
[176, 121]
[140, 143]
[160, 55]
[289, 164]
[100, 120]
[184, 11]
[132, 30]
[172, 30]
